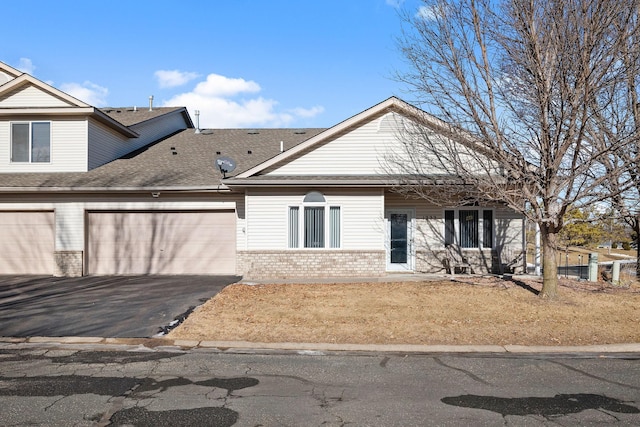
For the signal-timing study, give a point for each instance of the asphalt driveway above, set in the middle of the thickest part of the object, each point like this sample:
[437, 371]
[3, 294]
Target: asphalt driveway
[101, 306]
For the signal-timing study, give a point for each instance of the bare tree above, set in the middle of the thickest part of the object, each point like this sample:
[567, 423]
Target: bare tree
[617, 116]
[518, 76]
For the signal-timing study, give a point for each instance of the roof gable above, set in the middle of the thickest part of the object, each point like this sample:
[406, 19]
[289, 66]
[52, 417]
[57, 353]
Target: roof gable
[25, 95]
[370, 147]
[8, 73]
[26, 91]
[371, 129]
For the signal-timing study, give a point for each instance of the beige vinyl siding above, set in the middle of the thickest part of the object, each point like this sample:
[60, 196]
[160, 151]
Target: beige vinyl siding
[69, 226]
[377, 147]
[356, 153]
[155, 129]
[429, 220]
[68, 147]
[5, 145]
[266, 219]
[509, 229]
[27, 242]
[361, 213]
[430, 223]
[30, 97]
[241, 222]
[107, 145]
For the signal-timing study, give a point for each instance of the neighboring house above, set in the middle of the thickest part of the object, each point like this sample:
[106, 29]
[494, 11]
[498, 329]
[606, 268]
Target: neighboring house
[139, 191]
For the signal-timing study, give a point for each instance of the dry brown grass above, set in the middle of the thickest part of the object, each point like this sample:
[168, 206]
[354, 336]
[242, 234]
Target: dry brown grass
[474, 311]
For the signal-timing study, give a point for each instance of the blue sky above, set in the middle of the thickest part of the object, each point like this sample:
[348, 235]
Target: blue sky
[242, 63]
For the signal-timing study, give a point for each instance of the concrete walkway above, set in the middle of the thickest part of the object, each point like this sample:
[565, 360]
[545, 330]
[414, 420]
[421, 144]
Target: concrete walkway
[391, 277]
[165, 344]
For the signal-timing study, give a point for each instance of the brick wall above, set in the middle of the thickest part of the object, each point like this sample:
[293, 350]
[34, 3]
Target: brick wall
[482, 262]
[320, 264]
[68, 263]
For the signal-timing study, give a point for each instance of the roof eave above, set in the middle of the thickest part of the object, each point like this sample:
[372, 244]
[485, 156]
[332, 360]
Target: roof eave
[179, 110]
[242, 183]
[60, 111]
[72, 111]
[13, 72]
[196, 188]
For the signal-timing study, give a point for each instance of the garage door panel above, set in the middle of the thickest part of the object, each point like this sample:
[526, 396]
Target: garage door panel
[162, 242]
[169, 265]
[27, 242]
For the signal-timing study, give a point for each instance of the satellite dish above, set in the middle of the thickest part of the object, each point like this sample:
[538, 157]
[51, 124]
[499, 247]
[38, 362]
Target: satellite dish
[226, 165]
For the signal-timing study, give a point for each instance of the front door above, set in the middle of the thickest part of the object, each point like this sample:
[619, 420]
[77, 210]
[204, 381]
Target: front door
[400, 254]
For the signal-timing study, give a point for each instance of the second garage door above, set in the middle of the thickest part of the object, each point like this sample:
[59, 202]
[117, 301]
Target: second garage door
[161, 242]
[26, 242]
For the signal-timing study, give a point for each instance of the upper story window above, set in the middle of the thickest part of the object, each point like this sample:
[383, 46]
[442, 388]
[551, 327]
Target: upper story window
[469, 228]
[31, 142]
[314, 223]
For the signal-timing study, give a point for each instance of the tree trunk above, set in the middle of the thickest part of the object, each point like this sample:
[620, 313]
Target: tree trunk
[549, 264]
[637, 230]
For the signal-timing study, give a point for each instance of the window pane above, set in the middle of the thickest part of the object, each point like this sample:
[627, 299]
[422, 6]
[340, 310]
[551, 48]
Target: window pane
[20, 142]
[487, 229]
[40, 148]
[469, 228]
[314, 197]
[449, 227]
[293, 226]
[399, 238]
[314, 227]
[334, 226]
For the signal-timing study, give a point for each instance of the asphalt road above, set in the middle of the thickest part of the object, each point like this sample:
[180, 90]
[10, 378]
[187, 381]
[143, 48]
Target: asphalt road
[63, 386]
[101, 306]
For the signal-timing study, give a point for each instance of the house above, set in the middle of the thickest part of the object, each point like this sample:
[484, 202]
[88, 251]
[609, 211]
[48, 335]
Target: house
[88, 191]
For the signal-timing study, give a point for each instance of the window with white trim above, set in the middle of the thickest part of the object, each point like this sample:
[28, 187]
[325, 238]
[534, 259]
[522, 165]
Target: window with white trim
[314, 223]
[31, 142]
[468, 228]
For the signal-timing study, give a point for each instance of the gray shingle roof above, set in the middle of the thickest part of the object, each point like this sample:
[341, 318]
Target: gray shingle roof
[184, 160]
[129, 116]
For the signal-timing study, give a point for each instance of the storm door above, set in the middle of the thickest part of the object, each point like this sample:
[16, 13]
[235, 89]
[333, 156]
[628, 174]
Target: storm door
[400, 254]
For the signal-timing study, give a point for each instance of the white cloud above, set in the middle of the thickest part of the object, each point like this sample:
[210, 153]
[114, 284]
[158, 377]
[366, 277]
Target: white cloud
[173, 78]
[308, 112]
[26, 66]
[217, 100]
[88, 92]
[217, 85]
[428, 13]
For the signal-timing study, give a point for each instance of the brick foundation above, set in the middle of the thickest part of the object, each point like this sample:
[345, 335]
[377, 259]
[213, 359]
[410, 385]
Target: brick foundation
[68, 263]
[482, 261]
[319, 264]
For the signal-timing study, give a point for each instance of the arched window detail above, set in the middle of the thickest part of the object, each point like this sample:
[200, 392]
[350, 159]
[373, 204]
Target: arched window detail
[314, 197]
[314, 223]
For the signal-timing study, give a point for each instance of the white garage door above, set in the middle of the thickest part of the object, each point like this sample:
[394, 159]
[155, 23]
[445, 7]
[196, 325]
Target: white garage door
[161, 242]
[27, 242]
